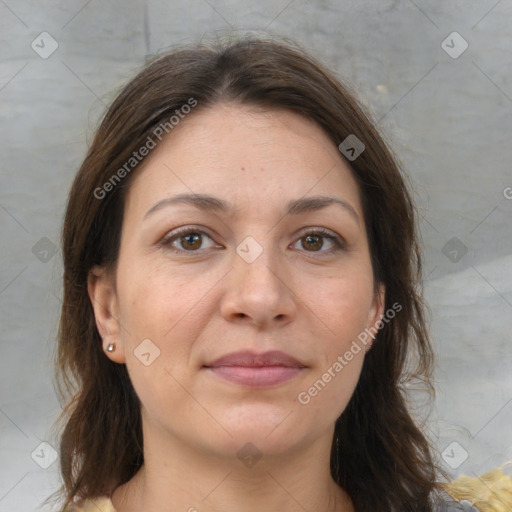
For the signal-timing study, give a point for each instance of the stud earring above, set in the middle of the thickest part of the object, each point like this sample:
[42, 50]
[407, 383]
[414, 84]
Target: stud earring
[111, 347]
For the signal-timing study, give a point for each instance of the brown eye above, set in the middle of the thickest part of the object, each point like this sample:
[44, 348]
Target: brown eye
[187, 240]
[314, 241]
[191, 240]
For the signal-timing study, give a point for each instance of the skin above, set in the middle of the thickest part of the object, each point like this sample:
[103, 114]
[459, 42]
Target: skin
[295, 297]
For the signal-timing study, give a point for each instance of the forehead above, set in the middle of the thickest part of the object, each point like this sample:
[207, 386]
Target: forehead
[249, 155]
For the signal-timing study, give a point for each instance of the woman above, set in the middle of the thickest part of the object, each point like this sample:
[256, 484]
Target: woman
[241, 298]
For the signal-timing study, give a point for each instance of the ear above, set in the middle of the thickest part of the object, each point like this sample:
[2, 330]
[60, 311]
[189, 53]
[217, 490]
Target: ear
[103, 296]
[376, 313]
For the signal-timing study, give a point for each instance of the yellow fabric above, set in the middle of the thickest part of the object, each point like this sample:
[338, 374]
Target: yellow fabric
[101, 504]
[490, 492]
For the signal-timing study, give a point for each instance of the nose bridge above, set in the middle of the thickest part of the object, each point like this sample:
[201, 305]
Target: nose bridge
[257, 288]
[257, 262]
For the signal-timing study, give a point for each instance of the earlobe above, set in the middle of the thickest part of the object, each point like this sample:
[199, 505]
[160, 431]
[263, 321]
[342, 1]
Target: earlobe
[103, 297]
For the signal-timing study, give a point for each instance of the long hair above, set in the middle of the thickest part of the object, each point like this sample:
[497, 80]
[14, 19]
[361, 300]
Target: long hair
[380, 455]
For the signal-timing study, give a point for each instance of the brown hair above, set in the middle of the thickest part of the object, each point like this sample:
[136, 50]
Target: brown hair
[380, 456]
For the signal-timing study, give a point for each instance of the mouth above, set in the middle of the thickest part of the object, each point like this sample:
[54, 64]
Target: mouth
[256, 370]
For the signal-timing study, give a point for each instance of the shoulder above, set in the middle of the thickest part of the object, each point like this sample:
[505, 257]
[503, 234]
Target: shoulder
[445, 503]
[102, 503]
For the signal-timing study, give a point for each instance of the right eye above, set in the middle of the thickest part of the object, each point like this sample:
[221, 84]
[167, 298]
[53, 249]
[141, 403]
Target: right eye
[186, 239]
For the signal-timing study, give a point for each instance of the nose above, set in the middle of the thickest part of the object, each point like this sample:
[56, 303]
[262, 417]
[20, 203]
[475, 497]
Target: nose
[259, 292]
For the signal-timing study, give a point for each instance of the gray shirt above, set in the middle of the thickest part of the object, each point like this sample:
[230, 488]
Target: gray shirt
[446, 503]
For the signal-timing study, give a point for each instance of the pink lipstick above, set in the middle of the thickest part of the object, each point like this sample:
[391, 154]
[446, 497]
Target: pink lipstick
[256, 370]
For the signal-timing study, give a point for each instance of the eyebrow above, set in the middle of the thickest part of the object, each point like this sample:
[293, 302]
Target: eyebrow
[213, 204]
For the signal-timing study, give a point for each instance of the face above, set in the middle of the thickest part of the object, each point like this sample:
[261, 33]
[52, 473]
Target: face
[227, 311]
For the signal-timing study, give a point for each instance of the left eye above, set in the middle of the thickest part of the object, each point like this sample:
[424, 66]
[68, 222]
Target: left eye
[191, 240]
[314, 240]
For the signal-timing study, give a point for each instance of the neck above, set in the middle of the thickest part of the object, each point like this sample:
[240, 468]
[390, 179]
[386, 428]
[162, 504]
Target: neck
[179, 477]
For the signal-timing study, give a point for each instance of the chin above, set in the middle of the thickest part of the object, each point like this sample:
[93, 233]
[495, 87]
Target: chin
[258, 416]
[270, 428]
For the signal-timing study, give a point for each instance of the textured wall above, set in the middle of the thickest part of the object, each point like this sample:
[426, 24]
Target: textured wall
[447, 114]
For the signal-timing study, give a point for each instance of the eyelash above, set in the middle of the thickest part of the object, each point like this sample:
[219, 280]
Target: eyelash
[166, 242]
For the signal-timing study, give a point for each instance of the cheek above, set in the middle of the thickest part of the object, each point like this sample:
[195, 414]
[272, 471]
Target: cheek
[171, 309]
[343, 303]
[330, 388]
[167, 312]
[158, 300]
[346, 304]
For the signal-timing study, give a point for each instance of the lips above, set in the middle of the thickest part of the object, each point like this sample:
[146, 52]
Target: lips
[256, 370]
[251, 359]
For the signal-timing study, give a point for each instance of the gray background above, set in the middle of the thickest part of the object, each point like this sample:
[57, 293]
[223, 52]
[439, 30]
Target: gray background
[448, 119]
